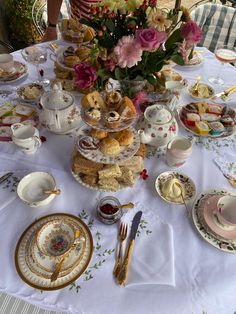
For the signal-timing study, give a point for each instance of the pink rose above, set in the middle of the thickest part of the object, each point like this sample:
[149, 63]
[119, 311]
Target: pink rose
[85, 75]
[150, 39]
[191, 32]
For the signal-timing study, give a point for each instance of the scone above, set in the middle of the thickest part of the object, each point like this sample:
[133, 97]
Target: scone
[99, 134]
[142, 151]
[93, 100]
[89, 34]
[93, 115]
[127, 109]
[70, 61]
[83, 52]
[109, 184]
[110, 171]
[91, 180]
[112, 119]
[110, 146]
[125, 137]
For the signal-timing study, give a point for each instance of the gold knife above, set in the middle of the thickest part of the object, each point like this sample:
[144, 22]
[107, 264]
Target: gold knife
[123, 274]
[225, 93]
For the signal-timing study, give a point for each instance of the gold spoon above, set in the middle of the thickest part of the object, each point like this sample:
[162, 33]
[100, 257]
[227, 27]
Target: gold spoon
[182, 196]
[56, 191]
[58, 267]
[128, 205]
[195, 87]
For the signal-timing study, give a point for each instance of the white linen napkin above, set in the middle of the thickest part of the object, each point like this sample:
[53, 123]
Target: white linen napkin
[227, 164]
[153, 256]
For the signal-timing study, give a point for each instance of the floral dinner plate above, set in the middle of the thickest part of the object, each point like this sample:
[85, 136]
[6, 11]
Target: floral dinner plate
[206, 233]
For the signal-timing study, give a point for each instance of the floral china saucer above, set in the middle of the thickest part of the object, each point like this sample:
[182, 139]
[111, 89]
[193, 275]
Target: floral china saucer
[30, 261]
[189, 189]
[208, 227]
[20, 71]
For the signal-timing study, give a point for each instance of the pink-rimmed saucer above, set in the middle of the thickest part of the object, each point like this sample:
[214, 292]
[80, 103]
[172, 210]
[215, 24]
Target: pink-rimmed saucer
[208, 206]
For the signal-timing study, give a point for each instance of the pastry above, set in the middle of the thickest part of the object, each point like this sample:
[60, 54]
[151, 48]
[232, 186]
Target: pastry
[142, 151]
[127, 176]
[110, 146]
[113, 100]
[201, 91]
[112, 119]
[127, 109]
[70, 51]
[70, 61]
[190, 108]
[10, 120]
[93, 100]
[4, 109]
[83, 52]
[172, 189]
[229, 111]
[89, 34]
[227, 120]
[209, 117]
[215, 109]
[216, 128]
[135, 164]
[24, 110]
[125, 137]
[99, 134]
[192, 118]
[109, 184]
[85, 166]
[93, 115]
[168, 74]
[110, 171]
[202, 127]
[91, 180]
[202, 107]
[87, 143]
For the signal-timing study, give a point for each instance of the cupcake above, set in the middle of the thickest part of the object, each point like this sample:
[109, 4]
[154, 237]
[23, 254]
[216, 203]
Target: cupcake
[112, 119]
[93, 115]
[113, 100]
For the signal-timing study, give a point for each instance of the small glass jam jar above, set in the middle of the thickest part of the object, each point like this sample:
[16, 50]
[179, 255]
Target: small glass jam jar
[107, 210]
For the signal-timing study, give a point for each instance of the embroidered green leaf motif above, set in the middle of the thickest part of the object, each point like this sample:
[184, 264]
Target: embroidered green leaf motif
[75, 286]
[83, 215]
[11, 183]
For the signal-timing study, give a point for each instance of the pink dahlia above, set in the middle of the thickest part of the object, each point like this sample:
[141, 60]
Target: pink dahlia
[128, 52]
[150, 39]
[191, 32]
[85, 75]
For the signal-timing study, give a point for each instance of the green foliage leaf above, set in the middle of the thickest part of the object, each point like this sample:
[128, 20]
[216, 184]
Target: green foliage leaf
[119, 74]
[152, 79]
[177, 59]
[174, 38]
[110, 25]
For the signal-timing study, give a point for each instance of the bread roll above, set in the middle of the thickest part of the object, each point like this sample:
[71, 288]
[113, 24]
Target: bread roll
[110, 146]
[125, 137]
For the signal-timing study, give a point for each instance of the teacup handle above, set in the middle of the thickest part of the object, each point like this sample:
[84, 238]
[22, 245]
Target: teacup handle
[16, 126]
[53, 57]
[37, 141]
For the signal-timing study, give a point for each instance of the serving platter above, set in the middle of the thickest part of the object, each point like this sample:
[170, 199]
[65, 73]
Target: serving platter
[32, 272]
[187, 184]
[229, 131]
[97, 156]
[206, 233]
[101, 125]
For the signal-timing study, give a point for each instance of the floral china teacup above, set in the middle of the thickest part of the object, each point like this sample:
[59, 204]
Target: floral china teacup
[26, 137]
[226, 212]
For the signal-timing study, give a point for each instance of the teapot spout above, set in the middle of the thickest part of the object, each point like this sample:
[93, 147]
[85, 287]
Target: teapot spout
[143, 136]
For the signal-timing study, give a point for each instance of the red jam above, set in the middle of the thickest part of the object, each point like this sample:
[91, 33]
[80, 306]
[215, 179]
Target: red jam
[108, 209]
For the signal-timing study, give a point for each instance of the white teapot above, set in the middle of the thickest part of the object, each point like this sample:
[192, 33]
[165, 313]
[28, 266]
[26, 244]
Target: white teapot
[60, 114]
[159, 126]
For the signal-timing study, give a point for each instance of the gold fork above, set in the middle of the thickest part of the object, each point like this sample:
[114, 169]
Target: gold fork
[122, 237]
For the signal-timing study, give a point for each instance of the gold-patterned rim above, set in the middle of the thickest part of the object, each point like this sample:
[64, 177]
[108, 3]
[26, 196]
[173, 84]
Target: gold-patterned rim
[75, 277]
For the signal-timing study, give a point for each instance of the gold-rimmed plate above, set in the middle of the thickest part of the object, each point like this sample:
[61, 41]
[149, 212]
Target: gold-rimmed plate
[39, 278]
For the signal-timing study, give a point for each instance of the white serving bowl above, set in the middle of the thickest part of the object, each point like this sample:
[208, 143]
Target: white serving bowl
[31, 189]
[211, 92]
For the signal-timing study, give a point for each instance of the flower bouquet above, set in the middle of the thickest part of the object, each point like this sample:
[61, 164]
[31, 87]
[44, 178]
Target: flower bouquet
[134, 40]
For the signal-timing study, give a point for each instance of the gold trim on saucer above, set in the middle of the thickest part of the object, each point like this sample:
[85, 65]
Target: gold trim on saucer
[39, 282]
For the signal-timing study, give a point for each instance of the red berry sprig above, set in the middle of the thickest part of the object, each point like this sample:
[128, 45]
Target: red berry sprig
[143, 174]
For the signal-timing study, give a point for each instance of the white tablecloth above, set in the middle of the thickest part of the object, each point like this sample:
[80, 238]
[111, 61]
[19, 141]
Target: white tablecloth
[204, 276]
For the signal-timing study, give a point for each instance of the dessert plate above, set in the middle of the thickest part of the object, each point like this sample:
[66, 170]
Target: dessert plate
[39, 278]
[97, 156]
[101, 125]
[186, 182]
[19, 73]
[229, 131]
[204, 231]
[197, 61]
[12, 117]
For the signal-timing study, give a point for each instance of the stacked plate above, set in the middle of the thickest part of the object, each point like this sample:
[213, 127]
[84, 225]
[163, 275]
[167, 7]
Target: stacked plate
[18, 72]
[207, 223]
[43, 245]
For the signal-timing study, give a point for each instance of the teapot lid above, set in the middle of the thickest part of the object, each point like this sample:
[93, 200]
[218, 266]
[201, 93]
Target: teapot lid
[158, 114]
[57, 99]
